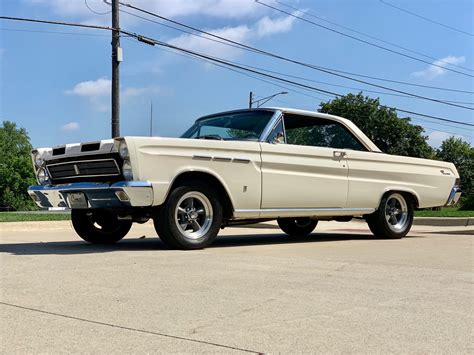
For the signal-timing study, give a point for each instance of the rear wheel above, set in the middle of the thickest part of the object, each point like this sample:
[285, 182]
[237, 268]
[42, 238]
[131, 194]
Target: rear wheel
[99, 227]
[191, 217]
[394, 217]
[300, 226]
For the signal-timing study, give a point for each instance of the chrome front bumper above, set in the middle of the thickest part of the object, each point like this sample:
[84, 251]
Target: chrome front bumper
[97, 195]
[454, 196]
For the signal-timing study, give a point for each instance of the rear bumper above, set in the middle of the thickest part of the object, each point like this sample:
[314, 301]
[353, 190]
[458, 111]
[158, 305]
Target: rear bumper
[118, 195]
[454, 196]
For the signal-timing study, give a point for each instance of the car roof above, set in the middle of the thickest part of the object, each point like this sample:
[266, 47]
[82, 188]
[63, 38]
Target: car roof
[348, 123]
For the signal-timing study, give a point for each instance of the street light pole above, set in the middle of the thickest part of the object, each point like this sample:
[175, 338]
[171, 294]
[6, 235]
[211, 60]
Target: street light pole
[116, 59]
[260, 102]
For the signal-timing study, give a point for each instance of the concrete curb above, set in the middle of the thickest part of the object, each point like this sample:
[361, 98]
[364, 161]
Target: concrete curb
[444, 221]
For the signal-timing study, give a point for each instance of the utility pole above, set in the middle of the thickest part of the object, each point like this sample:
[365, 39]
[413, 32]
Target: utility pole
[250, 99]
[116, 59]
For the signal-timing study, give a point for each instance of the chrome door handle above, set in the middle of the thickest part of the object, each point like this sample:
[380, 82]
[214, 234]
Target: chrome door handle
[339, 154]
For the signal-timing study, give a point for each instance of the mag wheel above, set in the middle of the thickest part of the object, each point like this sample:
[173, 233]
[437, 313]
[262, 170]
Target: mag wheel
[300, 226]
[99, 227]
[394, 217]
[191, 218]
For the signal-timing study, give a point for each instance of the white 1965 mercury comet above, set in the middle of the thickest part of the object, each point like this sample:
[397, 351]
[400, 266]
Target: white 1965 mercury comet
[242, 166]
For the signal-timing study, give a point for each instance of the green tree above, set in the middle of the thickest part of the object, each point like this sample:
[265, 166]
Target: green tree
[461, 154]
[16, 170]
[390, 133]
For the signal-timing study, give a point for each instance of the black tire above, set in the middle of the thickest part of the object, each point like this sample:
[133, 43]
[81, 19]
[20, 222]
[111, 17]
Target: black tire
[297, 227]
[99, 227]
[177, 229]
[394, 217]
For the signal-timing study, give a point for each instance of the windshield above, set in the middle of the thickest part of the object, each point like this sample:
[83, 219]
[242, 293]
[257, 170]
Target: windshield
[233, 126]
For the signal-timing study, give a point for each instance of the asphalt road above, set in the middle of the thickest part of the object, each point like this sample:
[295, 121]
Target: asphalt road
[255, 291]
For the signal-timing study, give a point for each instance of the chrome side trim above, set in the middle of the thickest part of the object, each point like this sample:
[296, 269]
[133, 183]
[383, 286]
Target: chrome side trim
[270, 125]
[301, 212]
[241, 160]
[222, 159]
[202, 157]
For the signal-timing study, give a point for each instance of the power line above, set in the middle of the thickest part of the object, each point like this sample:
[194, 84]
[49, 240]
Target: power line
[403, 82]
[424, 126]
[339, 71]
[290, 87]
[181, 30]
[53, 32]
[227, 63]
[94, 11]
[211, 37]
[297, 91]
[262, 69]
[314, 67]
[426, 18]
[360, 39]
[221, 61]
[307, 13]
[342, 86]
[59, 23]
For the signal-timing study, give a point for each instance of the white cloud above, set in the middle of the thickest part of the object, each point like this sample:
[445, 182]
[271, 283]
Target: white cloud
[435, 138]
[242, 34]
[435, 71]
[98, 92]
[91, 88]
[70, 127]
[203, 45]
[267, 26]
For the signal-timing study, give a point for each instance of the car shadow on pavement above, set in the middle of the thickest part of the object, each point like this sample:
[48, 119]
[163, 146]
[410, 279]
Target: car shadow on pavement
[153, 243]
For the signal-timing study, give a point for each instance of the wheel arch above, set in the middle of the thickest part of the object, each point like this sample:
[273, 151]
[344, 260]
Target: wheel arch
[210, 179]
[406, 192]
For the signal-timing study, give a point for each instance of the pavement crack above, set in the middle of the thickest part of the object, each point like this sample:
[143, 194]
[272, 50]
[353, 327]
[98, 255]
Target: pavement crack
[164, 335]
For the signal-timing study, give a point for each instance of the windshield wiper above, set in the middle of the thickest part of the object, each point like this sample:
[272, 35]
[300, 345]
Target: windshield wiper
[211, 136]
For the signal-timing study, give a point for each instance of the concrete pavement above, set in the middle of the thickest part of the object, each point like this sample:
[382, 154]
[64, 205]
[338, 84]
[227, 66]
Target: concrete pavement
[255, 290]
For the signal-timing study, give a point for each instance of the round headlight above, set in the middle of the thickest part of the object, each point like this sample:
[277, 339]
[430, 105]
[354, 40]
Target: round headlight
[123, 150]
[127, 170]
[42, 176]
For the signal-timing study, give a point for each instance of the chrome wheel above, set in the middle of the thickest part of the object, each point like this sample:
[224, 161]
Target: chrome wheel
[193, 215]
[396, 212]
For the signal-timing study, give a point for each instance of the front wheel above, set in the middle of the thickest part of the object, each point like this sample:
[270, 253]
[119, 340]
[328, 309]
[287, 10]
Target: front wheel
[301, 226]
[394, 217]
[99, 227]
[191, 217]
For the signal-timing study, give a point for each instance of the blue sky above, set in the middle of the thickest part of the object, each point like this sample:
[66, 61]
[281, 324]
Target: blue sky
[57, 86]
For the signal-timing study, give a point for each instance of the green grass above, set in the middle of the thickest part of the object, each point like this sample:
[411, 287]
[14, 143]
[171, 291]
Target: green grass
[445, 212]
[33, 216]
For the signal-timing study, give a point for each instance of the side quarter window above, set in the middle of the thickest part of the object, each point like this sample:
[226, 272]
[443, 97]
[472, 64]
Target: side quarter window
[278, 134]
[319, 132]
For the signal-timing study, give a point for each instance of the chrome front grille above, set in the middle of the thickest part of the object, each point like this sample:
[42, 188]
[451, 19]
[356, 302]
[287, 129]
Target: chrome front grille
[83, 169]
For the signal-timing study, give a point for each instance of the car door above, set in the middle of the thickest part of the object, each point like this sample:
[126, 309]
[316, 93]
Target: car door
[299, 170]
